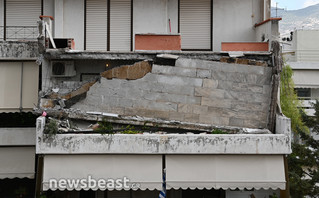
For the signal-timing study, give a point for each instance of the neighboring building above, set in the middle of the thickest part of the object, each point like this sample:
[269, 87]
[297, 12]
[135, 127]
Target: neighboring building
[113, 25]
[19, 88]
[126, 62]
[301, 52]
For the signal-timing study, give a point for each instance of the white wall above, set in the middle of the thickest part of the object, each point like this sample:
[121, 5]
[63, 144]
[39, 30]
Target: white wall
[151, 16]
[74, 22]
[48, 7]
[234, 20]
[48, 10]
[69, 21]
[172, 7]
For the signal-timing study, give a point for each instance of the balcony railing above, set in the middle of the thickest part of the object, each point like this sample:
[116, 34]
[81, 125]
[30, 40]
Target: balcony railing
[307, 105]
[19, 33]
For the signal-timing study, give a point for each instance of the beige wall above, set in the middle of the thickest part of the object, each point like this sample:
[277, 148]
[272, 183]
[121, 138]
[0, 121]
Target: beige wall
[10, 86]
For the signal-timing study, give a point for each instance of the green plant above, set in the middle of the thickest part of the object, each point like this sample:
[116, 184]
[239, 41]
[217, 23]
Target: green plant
[105, 127]
[130, 130]
[218, 131]
[51, 128]
[274, 195]
[304, 160]
[289, 100]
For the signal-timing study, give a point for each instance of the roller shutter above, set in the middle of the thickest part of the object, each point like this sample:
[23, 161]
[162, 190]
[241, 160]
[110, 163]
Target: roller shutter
[195, 24]
[21, 18]
[23, 12]
[96, 24]
[120, 27]
[11, 91]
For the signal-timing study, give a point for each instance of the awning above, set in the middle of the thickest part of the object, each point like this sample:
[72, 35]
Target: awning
[306, 78]
[225, 171]
[17, 162]
[142, 171]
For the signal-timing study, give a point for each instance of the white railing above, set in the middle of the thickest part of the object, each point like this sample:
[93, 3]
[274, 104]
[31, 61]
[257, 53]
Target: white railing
[307, 105]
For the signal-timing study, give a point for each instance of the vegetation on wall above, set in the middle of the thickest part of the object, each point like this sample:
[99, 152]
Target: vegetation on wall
[304, 160]
[289, 101]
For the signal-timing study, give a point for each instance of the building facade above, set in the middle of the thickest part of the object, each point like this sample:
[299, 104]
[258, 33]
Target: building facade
[300, 52]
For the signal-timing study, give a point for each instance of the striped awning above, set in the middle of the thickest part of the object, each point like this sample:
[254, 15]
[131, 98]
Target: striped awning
[225, 172]
[142, 171]
[182, 171]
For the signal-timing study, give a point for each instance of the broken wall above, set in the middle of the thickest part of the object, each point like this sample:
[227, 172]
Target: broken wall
[193, 91]
[85, 71]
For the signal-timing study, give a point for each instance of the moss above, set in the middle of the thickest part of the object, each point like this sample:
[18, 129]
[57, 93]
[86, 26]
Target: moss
[218, 131]
[130, 130]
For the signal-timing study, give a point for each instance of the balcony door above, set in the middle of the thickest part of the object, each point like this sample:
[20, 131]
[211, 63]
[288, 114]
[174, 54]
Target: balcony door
[195, 24]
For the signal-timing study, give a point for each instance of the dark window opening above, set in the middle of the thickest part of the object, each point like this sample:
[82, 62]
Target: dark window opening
[303, 92]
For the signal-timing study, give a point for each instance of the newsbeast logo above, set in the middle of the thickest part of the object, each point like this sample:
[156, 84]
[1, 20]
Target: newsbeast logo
[91, 183]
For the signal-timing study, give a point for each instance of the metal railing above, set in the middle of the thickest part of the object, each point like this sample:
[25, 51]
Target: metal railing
[19, 33]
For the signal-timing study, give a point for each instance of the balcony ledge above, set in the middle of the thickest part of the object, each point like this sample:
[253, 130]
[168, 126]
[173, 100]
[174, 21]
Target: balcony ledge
[161, 144]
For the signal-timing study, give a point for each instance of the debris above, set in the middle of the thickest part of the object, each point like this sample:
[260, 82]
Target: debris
[236, 54]
[55, 90]
[168, 56]
[103, 114]
[243, 61]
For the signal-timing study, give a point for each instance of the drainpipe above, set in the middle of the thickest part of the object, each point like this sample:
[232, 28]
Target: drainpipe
[21, 88]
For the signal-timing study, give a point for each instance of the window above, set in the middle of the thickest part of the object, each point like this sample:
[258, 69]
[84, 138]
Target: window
[303, 93]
